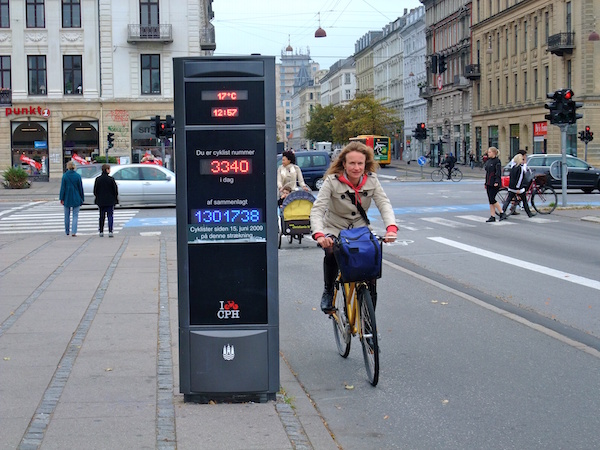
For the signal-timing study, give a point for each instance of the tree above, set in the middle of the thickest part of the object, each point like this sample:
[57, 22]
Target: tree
[366, 115]
[319, 127]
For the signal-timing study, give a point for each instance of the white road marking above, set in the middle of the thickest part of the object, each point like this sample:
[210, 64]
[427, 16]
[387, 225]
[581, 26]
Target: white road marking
[565, 276]
[482, 219]
[446, 222]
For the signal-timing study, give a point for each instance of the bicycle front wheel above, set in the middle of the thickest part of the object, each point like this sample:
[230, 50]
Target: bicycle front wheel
[544, 200]
[368, 335]
[341, 327]
[502, 195]
[437, 175]
[456, 174]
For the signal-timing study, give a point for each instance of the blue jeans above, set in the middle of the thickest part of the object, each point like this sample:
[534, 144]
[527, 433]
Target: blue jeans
[68, 218]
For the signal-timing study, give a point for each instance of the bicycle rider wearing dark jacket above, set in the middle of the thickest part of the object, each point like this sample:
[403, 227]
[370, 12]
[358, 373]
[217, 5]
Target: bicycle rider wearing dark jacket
[516, 186]
[449, 163]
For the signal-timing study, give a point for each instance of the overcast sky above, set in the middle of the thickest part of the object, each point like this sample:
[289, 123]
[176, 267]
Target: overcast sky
[243, 27]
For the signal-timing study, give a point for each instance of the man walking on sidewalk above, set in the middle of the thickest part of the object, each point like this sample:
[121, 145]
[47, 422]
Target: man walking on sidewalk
[107, 196]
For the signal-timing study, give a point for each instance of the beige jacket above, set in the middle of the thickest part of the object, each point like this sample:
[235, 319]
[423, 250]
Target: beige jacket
[334, 210]
[289, 175]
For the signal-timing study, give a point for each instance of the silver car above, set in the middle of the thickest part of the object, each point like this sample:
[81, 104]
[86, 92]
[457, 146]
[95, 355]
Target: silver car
[139, 184]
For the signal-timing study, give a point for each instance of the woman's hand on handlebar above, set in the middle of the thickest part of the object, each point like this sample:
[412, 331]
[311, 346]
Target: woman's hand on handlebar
[325, 241]
[390, 236]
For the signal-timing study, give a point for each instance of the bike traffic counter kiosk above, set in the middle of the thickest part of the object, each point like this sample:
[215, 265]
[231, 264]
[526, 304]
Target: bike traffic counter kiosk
[227, 227]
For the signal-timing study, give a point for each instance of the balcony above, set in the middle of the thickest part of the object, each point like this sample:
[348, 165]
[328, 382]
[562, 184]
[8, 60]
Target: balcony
[473, 72]
[461, 83]
[207, 39]
[426, 91]
[5, 97]
[150, 33]
[561, 43]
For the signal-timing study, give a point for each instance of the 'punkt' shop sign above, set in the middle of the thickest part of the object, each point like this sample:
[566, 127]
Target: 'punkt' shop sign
[28, 111]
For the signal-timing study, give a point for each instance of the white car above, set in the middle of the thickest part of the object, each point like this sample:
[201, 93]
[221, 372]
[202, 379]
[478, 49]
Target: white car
[139, 184]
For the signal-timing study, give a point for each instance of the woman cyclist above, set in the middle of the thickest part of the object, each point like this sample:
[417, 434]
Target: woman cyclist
[350, 180]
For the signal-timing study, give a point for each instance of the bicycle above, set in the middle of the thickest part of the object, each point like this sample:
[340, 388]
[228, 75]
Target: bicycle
[354, 315]
[442, 174]
[543, 198]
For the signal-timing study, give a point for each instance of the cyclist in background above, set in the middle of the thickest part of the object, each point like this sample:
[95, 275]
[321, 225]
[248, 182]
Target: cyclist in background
[511, 164]
[350, 180]
[449, 163]
[516, 186]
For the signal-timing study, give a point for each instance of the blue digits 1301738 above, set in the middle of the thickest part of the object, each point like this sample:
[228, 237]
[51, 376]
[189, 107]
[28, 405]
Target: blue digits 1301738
[227, 215]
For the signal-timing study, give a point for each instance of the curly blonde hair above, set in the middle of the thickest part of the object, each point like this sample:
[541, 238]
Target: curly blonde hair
[337, 166]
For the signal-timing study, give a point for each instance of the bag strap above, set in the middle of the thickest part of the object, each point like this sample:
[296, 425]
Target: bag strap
[361, 210]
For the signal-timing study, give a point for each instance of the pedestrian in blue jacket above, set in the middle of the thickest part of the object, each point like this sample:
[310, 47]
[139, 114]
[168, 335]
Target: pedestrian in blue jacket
[71, 197]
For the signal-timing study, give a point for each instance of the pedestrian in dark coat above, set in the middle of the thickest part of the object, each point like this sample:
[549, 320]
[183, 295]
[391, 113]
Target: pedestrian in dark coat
[107, 196]
[71, 197]
[516, 186]
[493, 181]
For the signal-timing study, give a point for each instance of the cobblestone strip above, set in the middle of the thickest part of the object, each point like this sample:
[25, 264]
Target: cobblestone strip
[26, 257]
[4, 326]
[165, 410]
[291, 424]
[34, 435]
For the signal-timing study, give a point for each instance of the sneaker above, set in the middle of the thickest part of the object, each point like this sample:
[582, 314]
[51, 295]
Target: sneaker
[74, 235]
[110, 234]
[101, 234]
[327, 303]
[503, 216]
[491, 219]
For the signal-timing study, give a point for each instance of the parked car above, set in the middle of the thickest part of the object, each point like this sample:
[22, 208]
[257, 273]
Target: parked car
[139, 184]
[580, 175]
[313, 164]
[88, 170]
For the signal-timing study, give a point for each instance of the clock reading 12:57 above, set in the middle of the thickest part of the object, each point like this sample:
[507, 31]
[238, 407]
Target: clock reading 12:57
[230, 111]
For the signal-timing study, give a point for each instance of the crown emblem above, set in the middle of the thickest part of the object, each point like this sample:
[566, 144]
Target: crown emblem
[228, 352]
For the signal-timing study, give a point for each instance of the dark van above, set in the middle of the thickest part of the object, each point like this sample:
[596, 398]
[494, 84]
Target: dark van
[313, 164]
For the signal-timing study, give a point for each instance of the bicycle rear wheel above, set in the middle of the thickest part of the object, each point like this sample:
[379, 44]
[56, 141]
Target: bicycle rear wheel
[341, 328]
[456, 174]
[502, 195]
[544, 200]
[437, 175]
[368, 335]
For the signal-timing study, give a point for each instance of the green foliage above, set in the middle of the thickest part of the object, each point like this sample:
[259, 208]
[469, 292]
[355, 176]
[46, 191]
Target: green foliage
[319, 127]
[16, 178]
[102, 159]
[363, 115]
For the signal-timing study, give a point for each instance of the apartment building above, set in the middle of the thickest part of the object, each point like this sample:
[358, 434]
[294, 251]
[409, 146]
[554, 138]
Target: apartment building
[447, 91]
[72, 71]
[338, 86]
[363, 57]
[523, 50]
[415, 75]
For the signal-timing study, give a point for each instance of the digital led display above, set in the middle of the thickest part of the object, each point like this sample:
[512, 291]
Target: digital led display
[224, 95]
[225, 112]
[226, 166]
[218, 216]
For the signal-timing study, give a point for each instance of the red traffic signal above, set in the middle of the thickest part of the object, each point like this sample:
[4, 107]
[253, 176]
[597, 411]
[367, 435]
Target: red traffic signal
[587, 128]
[567, 94]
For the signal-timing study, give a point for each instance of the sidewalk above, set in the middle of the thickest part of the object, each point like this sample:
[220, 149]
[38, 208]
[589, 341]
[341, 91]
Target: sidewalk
[89, 346]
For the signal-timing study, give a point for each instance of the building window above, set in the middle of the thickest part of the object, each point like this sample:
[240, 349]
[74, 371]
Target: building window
[72, 75]
[498, 90]
[36, 73]
[348, 95]
[569, 73]
[516, 88]
[149, 13]
[5, 81]
[546, 27]
[516, 52]
[150, 74]
[347, 78]
[568, 5]
[535, 84]
[525, 30]
[547, 78]
[525, 86]
[507, 90]
[35, 14]
[4, 14]
[71, 14]
[535, 32]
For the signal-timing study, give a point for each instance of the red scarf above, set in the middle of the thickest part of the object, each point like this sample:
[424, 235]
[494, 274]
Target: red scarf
[356, 189]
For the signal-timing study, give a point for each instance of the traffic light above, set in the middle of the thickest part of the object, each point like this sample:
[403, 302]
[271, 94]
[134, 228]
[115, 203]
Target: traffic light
[169, 127]
[441, 64]
[159, 127]
[420, 132]
[589, 136]
[110, 139]
[434, 63]
[582, 135]
[571, 106]
[558, 108]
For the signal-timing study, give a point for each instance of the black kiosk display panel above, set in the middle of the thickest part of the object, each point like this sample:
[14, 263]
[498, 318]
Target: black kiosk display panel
[226, 226]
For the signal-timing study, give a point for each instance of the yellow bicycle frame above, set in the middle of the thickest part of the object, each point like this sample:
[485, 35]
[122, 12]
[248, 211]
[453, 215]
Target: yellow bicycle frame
[352, 306]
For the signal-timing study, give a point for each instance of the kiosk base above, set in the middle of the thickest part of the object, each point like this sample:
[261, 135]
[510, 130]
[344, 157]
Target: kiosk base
[229, 398]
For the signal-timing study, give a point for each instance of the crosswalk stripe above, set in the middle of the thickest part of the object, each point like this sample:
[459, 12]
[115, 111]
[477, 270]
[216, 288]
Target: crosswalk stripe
[447, 222]
[482, 219]
[49, 218]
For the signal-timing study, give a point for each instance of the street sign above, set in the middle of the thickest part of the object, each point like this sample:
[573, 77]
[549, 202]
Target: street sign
[422, 160]
[440, 84]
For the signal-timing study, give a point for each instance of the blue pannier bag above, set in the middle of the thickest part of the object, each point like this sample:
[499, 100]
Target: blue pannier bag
[358, 254]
